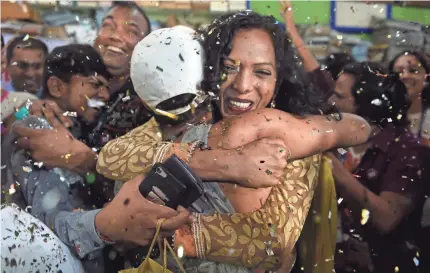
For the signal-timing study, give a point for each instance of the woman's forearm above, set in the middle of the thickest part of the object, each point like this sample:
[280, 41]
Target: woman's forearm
[215, 165]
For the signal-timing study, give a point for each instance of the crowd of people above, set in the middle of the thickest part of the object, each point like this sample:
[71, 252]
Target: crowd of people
[306, 167]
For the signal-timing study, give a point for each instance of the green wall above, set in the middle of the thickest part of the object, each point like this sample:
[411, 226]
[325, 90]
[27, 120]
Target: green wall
[310, 12]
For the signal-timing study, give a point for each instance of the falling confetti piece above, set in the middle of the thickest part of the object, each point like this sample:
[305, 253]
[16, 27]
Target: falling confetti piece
[2, 167]
[12, 189]
[95, 103]
[376, 102]
[339, 201]
[416, 261]
[342, 151]
[180, 251]
[26, 37]
[67, 156]
[364, 216]
[70, 114]
[38, 164]
[127, 98]
[396, 269]
[26, 169]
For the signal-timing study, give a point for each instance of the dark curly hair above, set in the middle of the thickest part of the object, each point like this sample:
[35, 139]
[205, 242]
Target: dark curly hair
[381, 99]
[425, 96]
[73, 59]
[295, 92]
[335, 62]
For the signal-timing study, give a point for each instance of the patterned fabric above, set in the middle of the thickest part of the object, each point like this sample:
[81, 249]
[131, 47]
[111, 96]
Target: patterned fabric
[131, 154]
[248, 240]
[257, 239]
[125, 112]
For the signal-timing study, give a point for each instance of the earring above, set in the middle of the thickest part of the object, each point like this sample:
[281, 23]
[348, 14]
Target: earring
[273, 104]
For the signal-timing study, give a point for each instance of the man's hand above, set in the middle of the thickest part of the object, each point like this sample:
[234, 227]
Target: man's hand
[56, 147]
[263, 163]
[340, 173]
[44, 108]
[132, 218]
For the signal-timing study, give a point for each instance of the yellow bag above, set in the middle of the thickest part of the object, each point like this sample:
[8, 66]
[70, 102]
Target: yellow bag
[149, 265]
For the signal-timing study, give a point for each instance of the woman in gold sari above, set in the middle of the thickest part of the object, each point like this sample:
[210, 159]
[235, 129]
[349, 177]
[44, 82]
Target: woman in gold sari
[249, 58]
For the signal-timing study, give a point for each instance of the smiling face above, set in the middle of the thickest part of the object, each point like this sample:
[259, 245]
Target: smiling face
[412, 74]
[251, 73]
[75, 95]
[121, 30]
[26, 69]
[82, 89]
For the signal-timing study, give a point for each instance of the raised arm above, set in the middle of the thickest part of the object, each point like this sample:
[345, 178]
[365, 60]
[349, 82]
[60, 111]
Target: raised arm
[309, 62]
[302, 136]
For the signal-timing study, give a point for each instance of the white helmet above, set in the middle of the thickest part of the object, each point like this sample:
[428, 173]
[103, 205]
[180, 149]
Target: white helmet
[167, 63]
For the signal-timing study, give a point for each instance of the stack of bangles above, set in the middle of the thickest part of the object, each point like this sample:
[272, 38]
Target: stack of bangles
[198, 236]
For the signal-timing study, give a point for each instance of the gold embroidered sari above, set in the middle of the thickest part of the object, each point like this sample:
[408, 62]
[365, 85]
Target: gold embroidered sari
[261, 239]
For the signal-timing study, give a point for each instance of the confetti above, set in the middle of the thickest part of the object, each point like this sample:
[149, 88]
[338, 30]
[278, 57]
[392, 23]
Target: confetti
[38, 164]
[339, 201]
[341, 151]
[12, 189]
[376, 102]
[364, 216]
[180, 251]
[95, 103]
[416, 261]
[2, 167]
[26, 169]
[26, 37]
[70, 114]
[127, 98]
[396, 269]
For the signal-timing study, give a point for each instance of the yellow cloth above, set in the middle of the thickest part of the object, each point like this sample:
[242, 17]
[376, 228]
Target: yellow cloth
[149, 265]
[317, 243]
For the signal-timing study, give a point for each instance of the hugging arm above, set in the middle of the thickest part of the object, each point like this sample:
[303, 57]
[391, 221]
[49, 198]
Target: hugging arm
[302, 136]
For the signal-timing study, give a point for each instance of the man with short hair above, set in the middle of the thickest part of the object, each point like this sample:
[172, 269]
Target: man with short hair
[25, 63]
[123, 27]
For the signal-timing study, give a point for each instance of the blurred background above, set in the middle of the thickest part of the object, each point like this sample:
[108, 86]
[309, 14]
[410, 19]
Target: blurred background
[369, 30]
